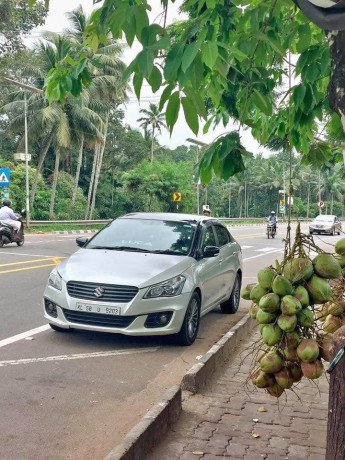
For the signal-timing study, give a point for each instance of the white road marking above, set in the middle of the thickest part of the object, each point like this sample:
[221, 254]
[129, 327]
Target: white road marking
[246, 247]
[98, 354]
[27, 255]
[267, 249]
[260, 255]
[23, 335]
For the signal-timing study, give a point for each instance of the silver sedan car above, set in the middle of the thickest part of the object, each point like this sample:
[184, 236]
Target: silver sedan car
[147, 274]
[325, 224]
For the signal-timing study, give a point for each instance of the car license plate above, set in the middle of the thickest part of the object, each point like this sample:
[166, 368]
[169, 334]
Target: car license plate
[102, 309]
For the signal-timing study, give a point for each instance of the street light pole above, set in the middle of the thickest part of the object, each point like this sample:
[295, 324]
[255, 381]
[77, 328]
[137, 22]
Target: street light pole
[27, 191]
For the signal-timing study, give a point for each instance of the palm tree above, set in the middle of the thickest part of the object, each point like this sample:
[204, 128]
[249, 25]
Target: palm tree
[153, 119]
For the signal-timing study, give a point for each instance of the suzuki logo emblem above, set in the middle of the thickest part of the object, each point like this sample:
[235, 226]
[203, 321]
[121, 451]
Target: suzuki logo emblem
[99, 292]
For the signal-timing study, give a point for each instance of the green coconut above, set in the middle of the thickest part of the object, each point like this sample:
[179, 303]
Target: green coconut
[287, 323]
[275, 390]
[340, 247]
[253, 309]
[271, 334]
[319, 289]
[271, 362]
[282, 286]
[302, 295]
[284, 378]
[264, 317]
[332, 324]
[341, 260]
[312, 370]
[257, 292]
[290, 305]
[270, 302]
[265, 277]
[292, 340]
[295, 371]
[290, 355]
[297, 270]
[262, 379]
[305, 318]
[327, 266]
[245, 292]
[335, 309]
[308, 350]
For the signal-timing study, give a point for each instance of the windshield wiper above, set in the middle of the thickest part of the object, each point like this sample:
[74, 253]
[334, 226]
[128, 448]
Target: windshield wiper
[121, 248]
[168, 251]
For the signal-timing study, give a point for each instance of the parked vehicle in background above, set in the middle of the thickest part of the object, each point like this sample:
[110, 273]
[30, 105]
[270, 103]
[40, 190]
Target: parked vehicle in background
[325, 224]
[147, 274]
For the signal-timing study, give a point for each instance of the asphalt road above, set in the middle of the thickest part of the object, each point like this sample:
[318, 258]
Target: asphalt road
[74, 395]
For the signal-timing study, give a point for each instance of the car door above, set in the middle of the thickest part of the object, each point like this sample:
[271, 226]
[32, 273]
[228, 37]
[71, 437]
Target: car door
[209, 270]
[229, 259]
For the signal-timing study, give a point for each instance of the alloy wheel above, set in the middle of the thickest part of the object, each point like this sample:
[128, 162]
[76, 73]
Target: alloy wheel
[193, 318]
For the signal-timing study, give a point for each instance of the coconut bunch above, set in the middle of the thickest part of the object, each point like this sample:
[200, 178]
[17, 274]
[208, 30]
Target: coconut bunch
[288, 302]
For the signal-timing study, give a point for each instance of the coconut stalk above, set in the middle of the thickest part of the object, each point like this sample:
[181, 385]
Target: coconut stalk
[335, 449]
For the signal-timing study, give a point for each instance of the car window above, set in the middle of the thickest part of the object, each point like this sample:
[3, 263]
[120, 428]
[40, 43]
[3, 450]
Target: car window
[209, 238]
[145, 235]
[222, 235]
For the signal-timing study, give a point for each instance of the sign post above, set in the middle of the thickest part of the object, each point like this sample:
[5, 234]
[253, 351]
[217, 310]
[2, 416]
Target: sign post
[177, 198]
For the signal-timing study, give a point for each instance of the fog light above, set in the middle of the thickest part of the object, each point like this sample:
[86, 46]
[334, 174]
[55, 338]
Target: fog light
[51, 308]
[158, 319]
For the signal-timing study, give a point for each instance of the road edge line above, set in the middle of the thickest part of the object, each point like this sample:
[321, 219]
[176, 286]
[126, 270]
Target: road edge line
[149, 431]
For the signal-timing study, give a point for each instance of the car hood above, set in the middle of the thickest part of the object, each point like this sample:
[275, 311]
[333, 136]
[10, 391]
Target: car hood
[122, 267]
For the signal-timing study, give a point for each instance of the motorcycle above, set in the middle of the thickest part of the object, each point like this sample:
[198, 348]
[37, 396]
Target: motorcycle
[8, 235]
[271, 230]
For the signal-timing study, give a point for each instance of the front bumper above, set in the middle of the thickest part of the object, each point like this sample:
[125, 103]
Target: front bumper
[131, 321]
[321, 229]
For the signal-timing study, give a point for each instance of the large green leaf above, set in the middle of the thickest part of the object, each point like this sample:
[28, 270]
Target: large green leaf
[210, 54]
[262, 102]
[155, 79]
[172, 110]
[190, 114]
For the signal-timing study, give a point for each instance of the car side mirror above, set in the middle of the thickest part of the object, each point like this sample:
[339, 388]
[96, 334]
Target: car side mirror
[81, 241]
[210, 251]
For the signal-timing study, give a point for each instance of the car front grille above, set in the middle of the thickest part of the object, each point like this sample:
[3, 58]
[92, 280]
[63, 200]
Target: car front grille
[110, 292]
[97, 319]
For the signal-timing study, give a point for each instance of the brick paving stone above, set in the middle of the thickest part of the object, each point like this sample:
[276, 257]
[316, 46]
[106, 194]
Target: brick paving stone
[218, 422]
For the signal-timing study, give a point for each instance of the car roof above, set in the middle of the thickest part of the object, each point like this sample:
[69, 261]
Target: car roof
[168, 216]
[325, 215]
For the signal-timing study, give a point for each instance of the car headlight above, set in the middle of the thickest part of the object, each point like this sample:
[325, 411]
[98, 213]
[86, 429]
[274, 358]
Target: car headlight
[55, 280]
[169, 288]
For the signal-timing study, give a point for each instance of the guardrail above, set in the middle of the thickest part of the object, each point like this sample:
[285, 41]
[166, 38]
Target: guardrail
[44, 223]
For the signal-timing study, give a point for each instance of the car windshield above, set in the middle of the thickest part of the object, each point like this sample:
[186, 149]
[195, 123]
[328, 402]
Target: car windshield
[145, 235]
[324, 219]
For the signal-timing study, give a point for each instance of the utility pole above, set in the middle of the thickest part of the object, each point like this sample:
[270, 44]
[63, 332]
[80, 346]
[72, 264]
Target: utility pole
[27, 190]
[199, 145]
[320, 209]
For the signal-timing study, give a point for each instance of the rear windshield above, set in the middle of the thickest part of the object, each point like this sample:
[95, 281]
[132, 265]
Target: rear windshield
[146, 236]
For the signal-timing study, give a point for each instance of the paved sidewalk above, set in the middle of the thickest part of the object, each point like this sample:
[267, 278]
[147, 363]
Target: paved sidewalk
[234, 420]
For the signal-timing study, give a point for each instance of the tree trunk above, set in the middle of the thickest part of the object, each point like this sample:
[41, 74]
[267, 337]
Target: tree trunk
[336, 88]
[99, 167]
[336, 406]
[92, 179]
[77, 174]
[152, 142]
[332, 202]
[41, 158]
[54, 184]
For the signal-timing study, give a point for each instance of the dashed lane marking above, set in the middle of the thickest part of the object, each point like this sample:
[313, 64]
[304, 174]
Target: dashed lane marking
[246, 247]
[263, 254]
[99, 354]
[23, 335]
[267, 249]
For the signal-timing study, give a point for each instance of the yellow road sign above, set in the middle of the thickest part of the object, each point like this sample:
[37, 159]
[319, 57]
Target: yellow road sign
[177, 196]
[282, 202]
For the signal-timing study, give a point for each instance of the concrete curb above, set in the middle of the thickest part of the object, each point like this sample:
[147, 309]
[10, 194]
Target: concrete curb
[146, 434]
[142, 438]
[217, 356]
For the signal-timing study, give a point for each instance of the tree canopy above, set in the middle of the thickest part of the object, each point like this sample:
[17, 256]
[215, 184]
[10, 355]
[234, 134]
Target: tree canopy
[260, 63]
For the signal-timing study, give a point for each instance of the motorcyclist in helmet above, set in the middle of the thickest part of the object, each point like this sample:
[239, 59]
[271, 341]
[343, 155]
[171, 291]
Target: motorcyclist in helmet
[272, 219]
[8, 216]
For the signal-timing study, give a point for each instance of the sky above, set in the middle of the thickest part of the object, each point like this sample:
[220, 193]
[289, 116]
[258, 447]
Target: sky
[57, 21]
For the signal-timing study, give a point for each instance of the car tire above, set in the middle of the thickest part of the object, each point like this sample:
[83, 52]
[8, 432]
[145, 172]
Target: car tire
[21, 242]
[310, 232]
[59, 329]
[231, 305]
[191, 322]
[1, 243]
